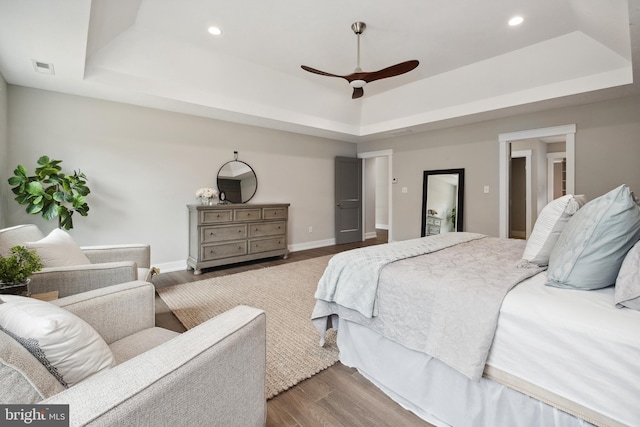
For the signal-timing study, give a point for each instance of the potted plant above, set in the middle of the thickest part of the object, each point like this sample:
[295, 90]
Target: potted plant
[50, 192]
[16, 269]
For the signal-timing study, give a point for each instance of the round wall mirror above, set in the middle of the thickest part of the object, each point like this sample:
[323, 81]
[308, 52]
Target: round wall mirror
[238, 181]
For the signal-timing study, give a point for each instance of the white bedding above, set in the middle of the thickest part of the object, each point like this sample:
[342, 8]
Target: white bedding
[574, 343]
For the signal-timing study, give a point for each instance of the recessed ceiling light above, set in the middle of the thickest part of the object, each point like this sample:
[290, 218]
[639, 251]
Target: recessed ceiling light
[516, 20]
[215, 31]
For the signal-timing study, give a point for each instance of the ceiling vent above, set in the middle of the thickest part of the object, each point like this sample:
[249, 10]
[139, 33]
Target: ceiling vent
[43, 67]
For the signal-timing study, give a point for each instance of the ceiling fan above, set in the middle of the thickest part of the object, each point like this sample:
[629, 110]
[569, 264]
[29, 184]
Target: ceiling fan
[358, 79]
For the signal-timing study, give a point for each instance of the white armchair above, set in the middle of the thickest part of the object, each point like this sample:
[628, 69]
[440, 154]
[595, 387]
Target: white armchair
[213, 374]
[110, 265]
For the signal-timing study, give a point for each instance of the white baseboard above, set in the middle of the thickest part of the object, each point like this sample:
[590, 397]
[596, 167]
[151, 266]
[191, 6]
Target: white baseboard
[382, 226]
[311, 245]
[168, 267]
[370, 235]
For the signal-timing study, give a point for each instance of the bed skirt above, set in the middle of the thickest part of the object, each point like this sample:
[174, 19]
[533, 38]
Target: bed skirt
[437, 393]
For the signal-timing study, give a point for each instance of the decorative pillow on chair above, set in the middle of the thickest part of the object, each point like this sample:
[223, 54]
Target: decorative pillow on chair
[58, 249]
[627, 292]
[590, 250]
[550, 223]
[65, 344]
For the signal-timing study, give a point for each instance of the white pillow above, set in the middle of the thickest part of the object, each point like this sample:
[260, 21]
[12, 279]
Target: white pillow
[65, 344]
[627, 292]
[550, 223]
[58, 249]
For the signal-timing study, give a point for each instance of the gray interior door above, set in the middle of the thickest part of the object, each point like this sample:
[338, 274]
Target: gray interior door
[348, 200]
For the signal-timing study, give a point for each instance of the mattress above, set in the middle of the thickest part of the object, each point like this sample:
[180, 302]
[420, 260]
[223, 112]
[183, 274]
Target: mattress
[576, 344]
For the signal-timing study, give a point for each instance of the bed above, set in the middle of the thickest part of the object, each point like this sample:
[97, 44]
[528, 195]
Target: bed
[463, 330]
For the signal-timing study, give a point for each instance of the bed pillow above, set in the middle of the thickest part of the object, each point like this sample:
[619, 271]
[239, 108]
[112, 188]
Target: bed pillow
[58, 249]
[627, 292]
[591, 248]
[66, 345]
[550, 223]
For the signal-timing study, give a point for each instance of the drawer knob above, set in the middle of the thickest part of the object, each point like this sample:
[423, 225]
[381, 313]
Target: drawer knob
[218, 216]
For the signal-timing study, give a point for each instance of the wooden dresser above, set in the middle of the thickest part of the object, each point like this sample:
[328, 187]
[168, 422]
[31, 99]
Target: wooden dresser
[224, 234]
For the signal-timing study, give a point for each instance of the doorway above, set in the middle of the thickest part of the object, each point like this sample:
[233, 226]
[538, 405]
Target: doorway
[377, 195]
[505, 140]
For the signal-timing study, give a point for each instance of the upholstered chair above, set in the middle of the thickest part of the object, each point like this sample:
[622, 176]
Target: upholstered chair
[211, 375]
[100, 266]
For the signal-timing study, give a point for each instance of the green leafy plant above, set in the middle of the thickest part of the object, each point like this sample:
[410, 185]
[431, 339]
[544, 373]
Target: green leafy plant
[19, 266]
[452, 217]
[50, 192]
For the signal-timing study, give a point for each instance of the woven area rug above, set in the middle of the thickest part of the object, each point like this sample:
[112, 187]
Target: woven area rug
[285, 293]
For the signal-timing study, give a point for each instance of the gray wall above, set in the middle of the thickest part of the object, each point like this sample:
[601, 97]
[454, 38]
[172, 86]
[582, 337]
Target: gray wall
[607, 155]
[4, 148]
[145, 165]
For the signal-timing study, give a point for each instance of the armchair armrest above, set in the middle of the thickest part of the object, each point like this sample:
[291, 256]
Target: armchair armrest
[138, 253]
[116, 311]
[81, 278]
[210, 375]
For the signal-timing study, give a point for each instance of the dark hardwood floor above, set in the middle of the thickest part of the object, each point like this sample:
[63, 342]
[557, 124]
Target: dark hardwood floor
[337, 396]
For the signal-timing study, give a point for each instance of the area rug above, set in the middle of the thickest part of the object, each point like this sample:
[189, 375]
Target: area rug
[285, 293]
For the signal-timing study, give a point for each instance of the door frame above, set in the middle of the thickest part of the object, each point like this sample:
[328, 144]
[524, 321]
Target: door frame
[504, 153]
[389, 155]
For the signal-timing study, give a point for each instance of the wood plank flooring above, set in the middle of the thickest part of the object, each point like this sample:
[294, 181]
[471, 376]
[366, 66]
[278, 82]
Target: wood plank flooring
[337, 396]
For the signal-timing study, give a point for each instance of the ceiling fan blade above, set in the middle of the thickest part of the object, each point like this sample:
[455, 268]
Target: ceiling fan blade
[357, 92]
[322, 73]
[392, 71]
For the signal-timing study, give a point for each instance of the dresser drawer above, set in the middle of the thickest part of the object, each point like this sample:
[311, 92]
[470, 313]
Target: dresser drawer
[216, 216]
[274, 213]
[433, 230]
[247, 214]
[267, 229]
[266, 245]
[223, 232]
[225, 250]
[434, 221]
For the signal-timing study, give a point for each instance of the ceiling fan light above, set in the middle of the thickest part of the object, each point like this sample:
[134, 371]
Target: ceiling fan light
[357, 84]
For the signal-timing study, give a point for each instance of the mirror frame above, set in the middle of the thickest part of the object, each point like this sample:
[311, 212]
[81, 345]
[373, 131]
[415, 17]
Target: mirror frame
[226, 192]
[460, 201]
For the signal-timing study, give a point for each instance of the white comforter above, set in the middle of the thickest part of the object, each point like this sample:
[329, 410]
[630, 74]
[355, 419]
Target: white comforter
[444, 303]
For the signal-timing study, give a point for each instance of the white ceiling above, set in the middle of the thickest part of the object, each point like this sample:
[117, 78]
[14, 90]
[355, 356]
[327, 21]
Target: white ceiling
[158, 53]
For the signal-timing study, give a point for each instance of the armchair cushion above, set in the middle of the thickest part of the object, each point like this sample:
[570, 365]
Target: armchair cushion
[58, 249]
[65, 344]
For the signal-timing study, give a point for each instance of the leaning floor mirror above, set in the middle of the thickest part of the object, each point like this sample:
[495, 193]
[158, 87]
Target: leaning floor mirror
[442, 201]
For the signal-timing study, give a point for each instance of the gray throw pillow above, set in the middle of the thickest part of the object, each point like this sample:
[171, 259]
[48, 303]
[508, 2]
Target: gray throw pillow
[591, 248]
[627, 293]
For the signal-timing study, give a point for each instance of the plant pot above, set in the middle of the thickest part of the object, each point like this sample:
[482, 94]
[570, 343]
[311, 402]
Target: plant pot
[15, 288]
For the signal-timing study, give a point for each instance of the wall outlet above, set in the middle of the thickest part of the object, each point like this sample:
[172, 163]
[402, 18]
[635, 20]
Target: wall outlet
[486, 189]
[405, 190]
[310, 229]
